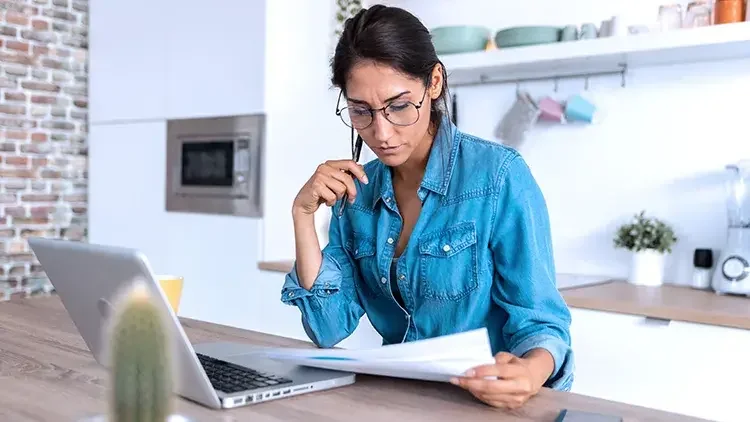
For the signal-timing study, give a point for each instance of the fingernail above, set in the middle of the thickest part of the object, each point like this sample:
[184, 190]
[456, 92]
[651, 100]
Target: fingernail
[367, 181]
[470, 373]
[454, 381]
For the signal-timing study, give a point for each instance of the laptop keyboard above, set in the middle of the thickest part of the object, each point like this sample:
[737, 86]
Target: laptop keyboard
[230, 378]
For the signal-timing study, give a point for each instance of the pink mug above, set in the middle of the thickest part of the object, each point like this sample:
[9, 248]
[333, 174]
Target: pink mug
[551, 110]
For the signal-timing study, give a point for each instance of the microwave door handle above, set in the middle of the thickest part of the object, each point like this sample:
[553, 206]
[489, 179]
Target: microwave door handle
[257, 193]
[258, 175]
[176, 178]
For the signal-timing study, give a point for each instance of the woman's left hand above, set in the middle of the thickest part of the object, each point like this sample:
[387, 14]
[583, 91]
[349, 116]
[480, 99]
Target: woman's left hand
[518, 379]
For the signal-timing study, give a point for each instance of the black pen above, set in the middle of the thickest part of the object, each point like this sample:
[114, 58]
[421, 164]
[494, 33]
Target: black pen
[355, 157]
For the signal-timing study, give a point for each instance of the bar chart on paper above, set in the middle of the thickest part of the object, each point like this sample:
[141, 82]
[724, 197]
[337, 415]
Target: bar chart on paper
[434, 359]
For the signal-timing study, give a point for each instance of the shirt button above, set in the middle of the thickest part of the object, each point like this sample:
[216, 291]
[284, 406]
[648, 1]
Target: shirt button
[356, 251]
[402, 277]
[390, 240]
[388, 199]
[446, 248]
[383, 280]
[291, 294]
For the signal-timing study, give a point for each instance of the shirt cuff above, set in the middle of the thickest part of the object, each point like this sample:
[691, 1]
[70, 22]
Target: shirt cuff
[327, 282]
[562, 375]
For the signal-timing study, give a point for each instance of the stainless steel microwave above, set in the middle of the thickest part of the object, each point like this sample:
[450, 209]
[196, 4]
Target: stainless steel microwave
[215, 165]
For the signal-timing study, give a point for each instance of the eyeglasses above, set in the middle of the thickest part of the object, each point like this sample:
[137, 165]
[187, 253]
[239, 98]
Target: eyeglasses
[399, 112]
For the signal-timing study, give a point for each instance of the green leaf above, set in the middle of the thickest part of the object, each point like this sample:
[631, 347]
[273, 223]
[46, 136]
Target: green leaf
[645, 233]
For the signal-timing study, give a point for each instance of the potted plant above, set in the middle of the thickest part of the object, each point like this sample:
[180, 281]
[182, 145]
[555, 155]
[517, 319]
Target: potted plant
[649, 240]
[139, 342]
[344, 10]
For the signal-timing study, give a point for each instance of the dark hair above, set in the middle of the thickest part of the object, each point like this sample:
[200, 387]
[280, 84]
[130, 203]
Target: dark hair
[394, 37]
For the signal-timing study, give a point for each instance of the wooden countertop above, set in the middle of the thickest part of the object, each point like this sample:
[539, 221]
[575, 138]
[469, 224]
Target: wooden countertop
[48, 374]
[667, 302]
[678, 303]
[276, 266]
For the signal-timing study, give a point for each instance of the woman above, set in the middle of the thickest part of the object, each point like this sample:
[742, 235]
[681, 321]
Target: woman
[443, 233]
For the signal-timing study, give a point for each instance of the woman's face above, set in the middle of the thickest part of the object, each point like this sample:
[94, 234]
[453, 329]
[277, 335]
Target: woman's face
[374, 86]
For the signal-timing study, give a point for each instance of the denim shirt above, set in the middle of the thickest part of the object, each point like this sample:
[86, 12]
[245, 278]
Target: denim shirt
[480, 255]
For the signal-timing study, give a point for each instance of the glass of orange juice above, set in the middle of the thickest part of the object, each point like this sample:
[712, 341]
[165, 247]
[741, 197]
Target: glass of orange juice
[171, 285]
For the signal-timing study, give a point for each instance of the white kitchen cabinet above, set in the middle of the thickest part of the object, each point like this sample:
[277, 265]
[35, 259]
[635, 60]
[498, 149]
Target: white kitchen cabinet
[216, 58]
[126, 189]
[674, 366]
[176, 59]
[127, 60]
[617, 357]
[715, 369]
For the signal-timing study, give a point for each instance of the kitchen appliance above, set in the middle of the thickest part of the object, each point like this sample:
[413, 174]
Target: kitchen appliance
[703, 262]
[732, 275]
[215, 165]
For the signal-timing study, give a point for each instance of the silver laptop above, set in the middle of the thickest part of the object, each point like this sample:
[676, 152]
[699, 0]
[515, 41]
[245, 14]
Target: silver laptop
[218, 375]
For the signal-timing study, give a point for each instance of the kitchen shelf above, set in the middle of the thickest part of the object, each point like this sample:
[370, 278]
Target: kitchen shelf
[600, 56]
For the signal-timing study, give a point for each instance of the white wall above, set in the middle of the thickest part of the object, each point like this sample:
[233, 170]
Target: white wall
[186, 60]
[301, 104]
[498, 14]
[662, 145]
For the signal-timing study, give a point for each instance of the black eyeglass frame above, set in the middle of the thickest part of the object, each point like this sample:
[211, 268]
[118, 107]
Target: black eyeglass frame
[372, 111]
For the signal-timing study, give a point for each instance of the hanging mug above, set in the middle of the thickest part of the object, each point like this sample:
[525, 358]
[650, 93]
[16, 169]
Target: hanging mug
[518, 120]
[551, 110]
[580, 109]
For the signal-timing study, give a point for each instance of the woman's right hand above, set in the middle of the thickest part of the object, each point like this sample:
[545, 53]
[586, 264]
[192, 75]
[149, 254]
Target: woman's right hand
[328, 184]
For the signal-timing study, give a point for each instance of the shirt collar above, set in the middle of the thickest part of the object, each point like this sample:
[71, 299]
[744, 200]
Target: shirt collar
[439, 168]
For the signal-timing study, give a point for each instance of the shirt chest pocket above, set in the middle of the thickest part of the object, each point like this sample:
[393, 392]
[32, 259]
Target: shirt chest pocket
[448, 262]
[363, 249]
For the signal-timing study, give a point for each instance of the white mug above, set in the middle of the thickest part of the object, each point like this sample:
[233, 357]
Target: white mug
[617, 27]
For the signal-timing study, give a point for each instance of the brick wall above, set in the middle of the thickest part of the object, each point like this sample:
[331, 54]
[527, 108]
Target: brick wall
[43, 128]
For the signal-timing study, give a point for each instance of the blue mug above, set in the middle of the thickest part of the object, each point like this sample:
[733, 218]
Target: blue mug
[579, 109]
[588, 31]
[569, 33]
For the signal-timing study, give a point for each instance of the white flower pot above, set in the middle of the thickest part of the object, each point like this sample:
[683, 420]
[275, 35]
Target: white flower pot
[647, 268]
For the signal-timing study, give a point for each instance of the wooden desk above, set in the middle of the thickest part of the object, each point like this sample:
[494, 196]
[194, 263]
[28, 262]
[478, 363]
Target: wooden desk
[48, 374]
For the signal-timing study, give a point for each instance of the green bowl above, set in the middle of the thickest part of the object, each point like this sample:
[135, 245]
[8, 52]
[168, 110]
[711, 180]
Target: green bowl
[460, 39]
[527, 35]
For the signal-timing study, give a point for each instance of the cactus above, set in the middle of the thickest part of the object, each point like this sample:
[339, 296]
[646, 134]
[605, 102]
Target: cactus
[141, 370]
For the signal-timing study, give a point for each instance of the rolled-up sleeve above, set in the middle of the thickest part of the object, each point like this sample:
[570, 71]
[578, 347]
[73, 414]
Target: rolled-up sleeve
[525, 285]
[331, 309]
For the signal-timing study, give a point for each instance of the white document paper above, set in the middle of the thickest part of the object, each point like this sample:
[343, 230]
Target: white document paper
[435, 359]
